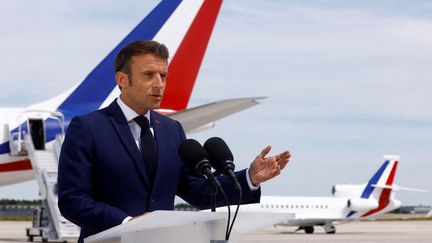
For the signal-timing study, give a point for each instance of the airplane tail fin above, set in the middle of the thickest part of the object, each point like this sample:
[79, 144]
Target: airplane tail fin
[185, 64]
[382, 181]
[183, 26]
[376, 194]
[380, 186]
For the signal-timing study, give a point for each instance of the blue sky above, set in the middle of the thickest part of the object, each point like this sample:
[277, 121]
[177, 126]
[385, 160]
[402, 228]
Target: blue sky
[346, 81]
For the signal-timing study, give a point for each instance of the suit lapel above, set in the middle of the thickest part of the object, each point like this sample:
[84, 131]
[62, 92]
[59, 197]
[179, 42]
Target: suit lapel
[121, 126]
[159, 132]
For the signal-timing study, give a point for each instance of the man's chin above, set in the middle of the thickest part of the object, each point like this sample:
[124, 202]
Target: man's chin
[156, 106]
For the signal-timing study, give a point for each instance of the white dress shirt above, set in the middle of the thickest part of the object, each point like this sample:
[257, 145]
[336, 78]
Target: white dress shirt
[134, 127]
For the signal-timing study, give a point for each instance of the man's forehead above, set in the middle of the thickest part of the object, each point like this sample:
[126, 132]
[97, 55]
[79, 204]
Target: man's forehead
[149, 60]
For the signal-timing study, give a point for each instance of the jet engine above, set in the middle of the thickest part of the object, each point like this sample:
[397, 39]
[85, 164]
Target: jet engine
[349, 191]
[361, 204]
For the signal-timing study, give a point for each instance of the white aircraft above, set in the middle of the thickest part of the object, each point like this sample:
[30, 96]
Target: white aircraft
[349, 202]
[184, 27]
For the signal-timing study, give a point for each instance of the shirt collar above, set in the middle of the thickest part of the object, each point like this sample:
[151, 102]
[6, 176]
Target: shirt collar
[128, 112]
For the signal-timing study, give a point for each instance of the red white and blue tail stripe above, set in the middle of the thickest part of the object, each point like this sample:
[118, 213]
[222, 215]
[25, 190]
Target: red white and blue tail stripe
[379, 188]
[183, 26]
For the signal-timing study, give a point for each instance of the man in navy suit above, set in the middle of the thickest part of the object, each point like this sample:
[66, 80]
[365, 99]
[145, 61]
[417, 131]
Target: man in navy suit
[103, 178]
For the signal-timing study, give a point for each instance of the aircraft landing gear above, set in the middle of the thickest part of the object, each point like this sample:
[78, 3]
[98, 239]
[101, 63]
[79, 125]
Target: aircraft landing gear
[307, 229]
[330, 229]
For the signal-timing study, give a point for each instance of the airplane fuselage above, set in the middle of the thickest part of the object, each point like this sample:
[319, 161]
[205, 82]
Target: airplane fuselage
[311, 210]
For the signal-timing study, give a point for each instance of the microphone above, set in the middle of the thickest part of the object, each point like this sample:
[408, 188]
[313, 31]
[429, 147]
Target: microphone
[197, 159]
[221, 159]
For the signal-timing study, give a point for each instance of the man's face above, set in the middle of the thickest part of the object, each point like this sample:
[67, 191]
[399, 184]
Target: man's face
[143, 88]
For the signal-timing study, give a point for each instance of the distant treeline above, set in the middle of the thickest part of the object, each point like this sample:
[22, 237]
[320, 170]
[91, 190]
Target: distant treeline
[184, 207]
[6, 202]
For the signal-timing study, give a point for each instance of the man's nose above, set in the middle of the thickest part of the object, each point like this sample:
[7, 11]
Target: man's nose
[158, 81]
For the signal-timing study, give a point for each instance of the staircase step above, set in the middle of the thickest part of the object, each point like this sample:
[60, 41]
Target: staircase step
[45, 165]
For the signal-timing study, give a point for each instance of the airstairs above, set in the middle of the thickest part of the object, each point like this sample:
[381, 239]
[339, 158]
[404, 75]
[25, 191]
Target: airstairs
[48, 223]
[45, 164]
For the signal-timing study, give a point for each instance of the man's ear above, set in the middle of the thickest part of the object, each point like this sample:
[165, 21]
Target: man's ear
[122, 79]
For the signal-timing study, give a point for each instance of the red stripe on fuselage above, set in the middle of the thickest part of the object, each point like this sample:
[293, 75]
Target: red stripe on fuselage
[185, 64]
[384, 199]
[16, 166]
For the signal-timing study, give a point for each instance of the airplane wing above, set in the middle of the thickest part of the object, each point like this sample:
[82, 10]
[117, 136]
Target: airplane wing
[202, 117]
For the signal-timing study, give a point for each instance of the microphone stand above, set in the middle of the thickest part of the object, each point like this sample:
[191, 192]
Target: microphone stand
[213, 194]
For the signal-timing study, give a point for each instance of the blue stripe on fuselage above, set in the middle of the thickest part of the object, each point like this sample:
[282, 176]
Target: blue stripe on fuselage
[4, 148]
[96, 87]
[52, 128]
[351, 213]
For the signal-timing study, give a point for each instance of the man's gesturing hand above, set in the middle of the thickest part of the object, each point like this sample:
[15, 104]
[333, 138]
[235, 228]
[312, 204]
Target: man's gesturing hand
[265, 168]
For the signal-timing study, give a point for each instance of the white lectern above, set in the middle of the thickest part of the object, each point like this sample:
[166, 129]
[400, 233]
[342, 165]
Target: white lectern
[185, 226]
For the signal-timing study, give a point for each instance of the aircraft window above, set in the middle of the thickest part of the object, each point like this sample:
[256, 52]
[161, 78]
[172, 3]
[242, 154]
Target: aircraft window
[271, 206]
[296, 206]
[321, 206]
[326, 206]
[277, 206]
[262, 206]
[316, 206]
[301, 206]
[307, 206]
[292, 206]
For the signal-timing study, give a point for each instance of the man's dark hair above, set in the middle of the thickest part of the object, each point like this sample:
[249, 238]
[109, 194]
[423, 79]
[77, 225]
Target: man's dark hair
[122, 62]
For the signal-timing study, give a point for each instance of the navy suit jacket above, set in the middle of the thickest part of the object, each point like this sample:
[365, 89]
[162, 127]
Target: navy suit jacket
[102, 178]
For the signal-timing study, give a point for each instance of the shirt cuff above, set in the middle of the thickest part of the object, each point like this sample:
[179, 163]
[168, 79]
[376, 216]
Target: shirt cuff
[251, 186]
[126, 219]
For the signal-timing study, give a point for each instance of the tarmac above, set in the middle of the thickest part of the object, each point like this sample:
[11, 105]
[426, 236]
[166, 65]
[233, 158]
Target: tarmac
[356, 232]
[363, 231]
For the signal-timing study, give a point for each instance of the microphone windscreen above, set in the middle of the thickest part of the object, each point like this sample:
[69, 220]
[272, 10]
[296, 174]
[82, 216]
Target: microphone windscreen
[219, 152]
[191, 152]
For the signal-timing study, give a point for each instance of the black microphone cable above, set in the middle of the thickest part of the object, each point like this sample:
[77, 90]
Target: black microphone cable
[235, 215]
[221, 158]
[228, 227]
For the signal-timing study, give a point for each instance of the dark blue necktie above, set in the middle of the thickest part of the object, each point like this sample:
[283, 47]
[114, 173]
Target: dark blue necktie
[148, 147]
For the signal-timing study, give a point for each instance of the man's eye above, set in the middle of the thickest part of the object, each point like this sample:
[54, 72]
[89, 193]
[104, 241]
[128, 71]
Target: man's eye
[148, 74]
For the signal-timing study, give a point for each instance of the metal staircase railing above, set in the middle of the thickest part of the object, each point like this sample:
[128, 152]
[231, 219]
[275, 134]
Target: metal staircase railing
[45, 167]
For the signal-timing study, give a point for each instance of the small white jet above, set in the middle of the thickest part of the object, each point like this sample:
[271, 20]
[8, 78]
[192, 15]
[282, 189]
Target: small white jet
[349, 202]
